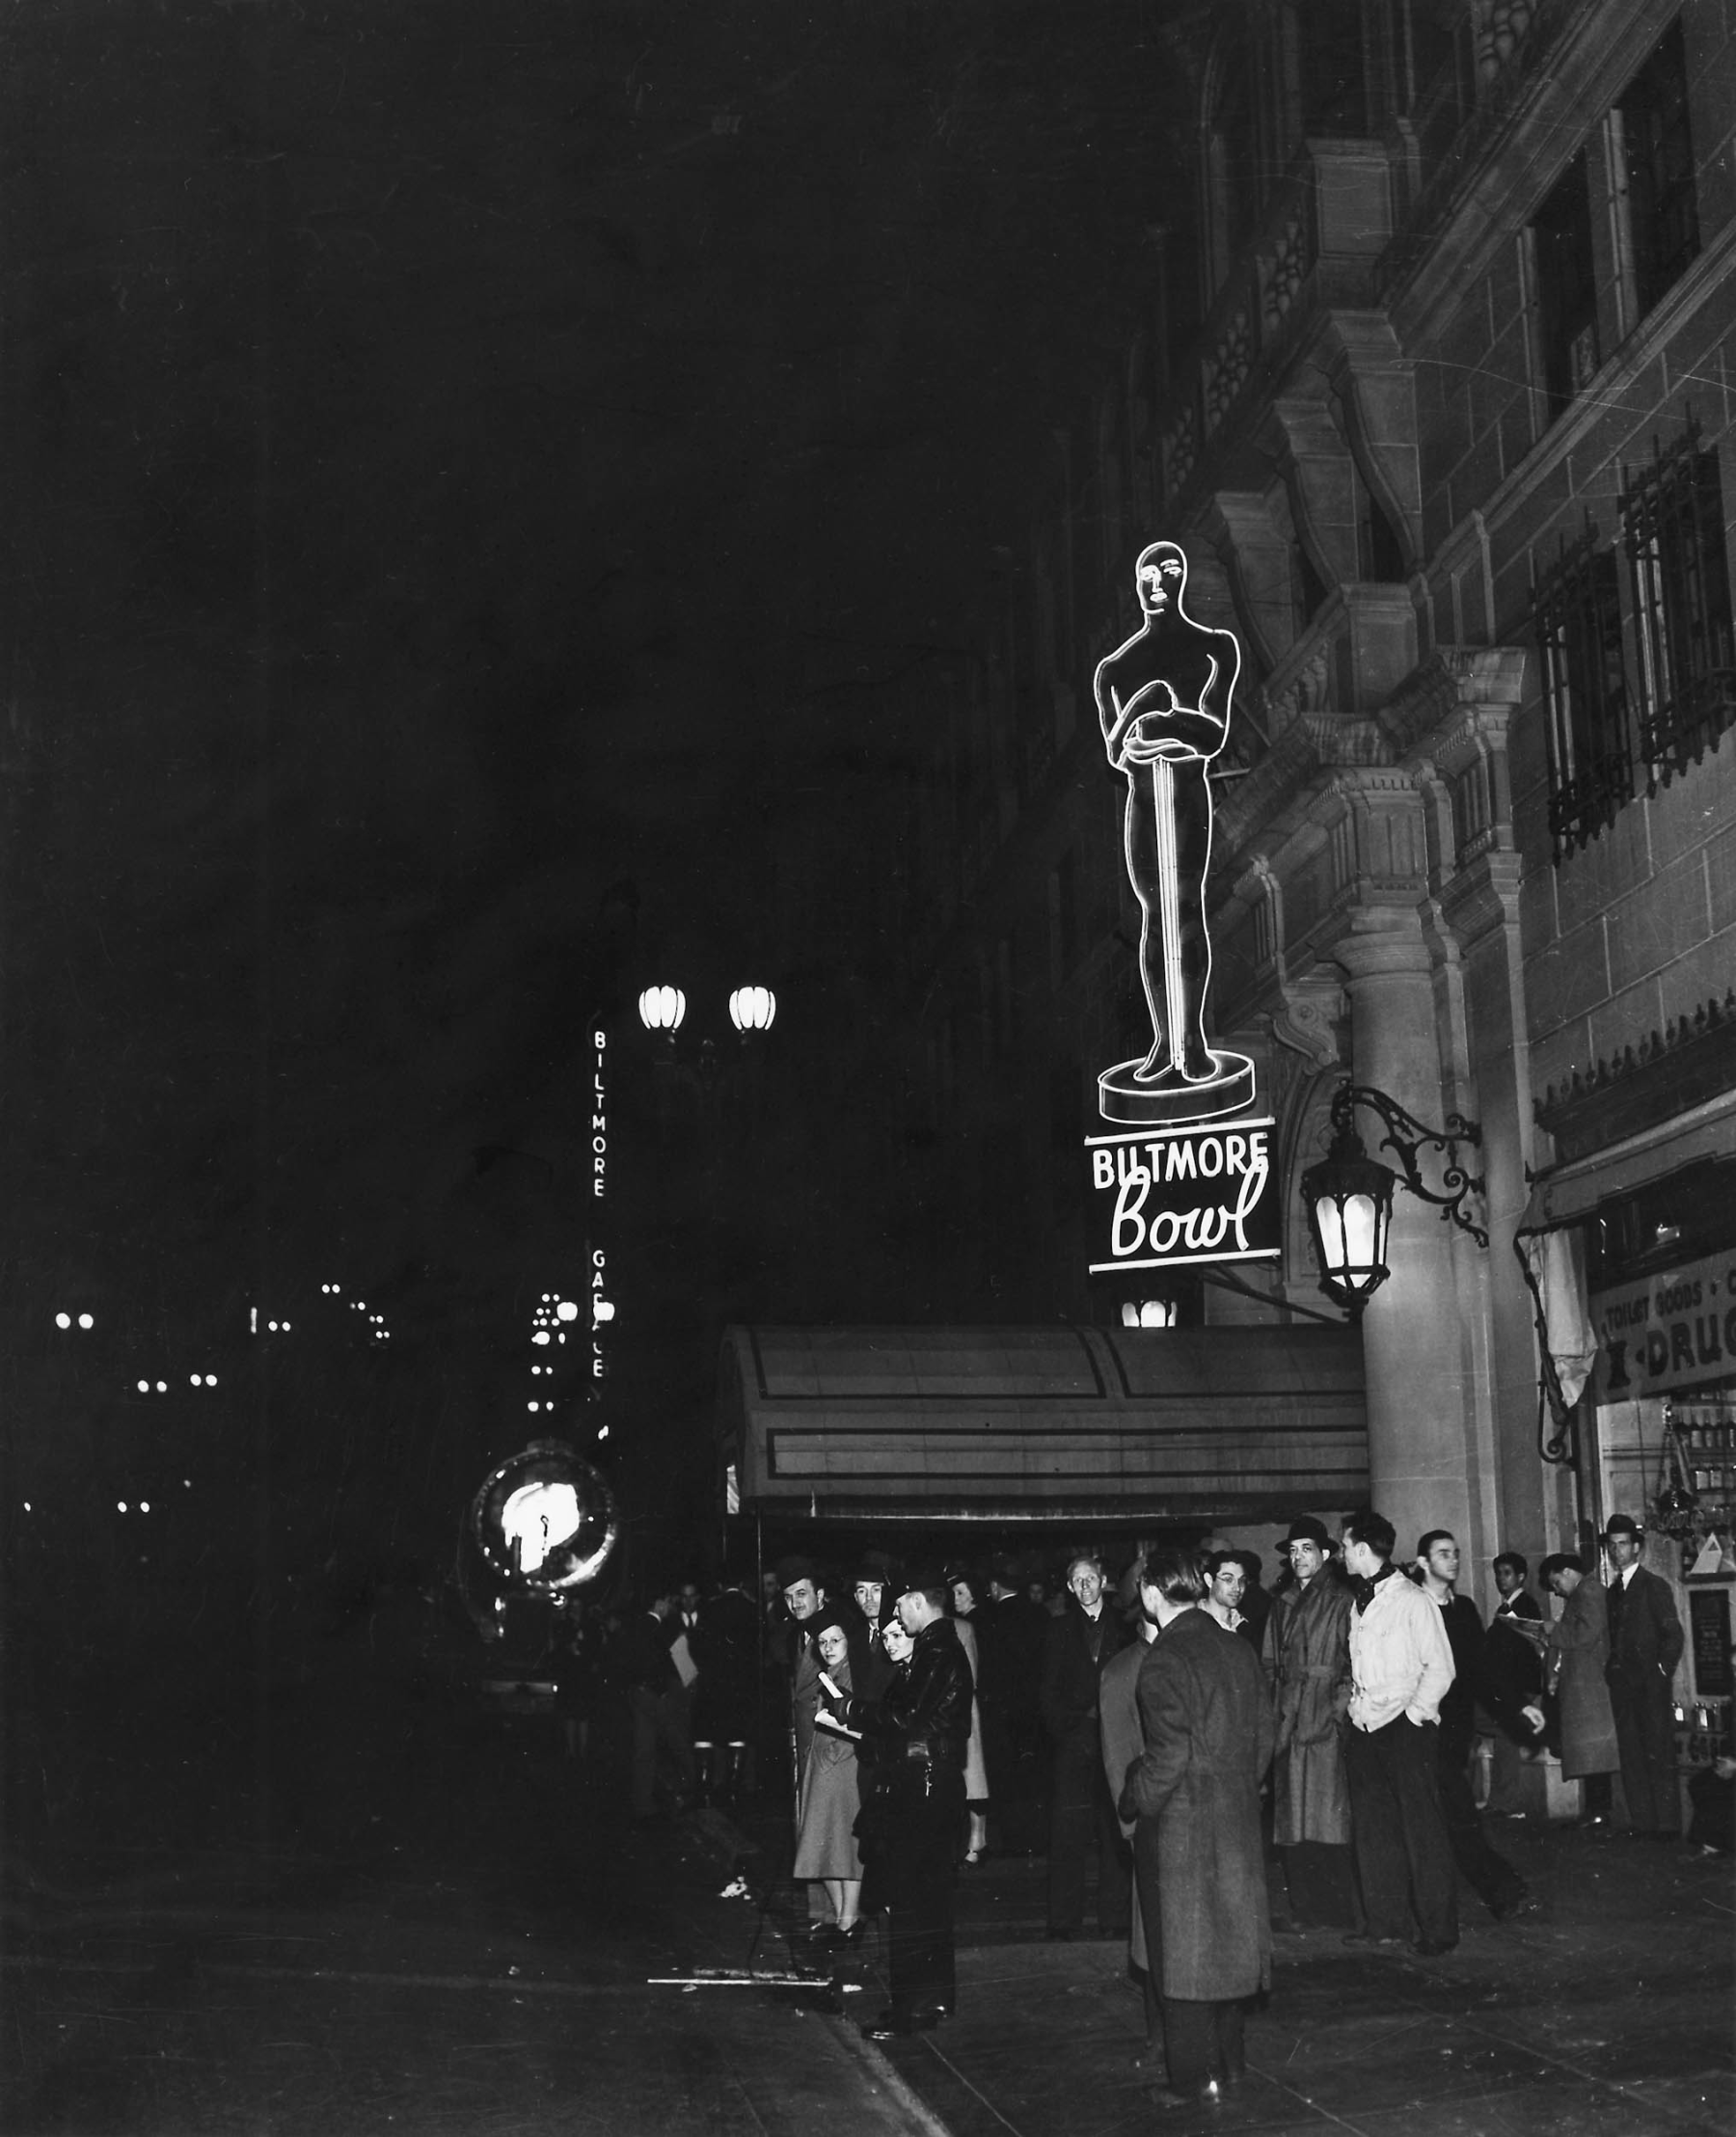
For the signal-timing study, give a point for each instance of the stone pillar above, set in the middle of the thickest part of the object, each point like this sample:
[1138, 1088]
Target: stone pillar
[1480, 902]
[1416, 1358]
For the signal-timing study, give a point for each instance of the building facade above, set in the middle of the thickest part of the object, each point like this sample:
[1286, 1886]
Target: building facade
[1437, 396]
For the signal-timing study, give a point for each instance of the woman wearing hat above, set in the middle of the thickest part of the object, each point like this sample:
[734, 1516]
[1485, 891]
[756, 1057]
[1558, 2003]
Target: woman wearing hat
[1308, 1665]
[918, 1731]
[831, 1799]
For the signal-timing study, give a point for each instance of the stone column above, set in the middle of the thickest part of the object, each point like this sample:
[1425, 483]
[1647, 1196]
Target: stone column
[1418, 1355]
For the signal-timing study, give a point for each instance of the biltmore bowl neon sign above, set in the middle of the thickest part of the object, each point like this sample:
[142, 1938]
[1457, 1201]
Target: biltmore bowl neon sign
[1194, 1194]
[1190, 1177]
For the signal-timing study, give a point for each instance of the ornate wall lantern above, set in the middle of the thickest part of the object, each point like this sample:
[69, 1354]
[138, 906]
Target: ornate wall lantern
[1349, 1195]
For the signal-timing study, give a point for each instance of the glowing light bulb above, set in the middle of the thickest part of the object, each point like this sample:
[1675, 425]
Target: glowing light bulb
[751, 1009]
[121, 1505]
[144, 1387]
[144, 1505]
[199, 1380]
[661, 1009]
[162, 1387]
[63, 1320]
[87, 1321]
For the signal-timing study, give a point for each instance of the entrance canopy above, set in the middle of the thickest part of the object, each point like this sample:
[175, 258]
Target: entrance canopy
[1007, 1425]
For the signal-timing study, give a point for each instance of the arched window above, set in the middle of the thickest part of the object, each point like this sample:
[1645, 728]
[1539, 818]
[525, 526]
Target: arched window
[1234, 141]
[1333, 68]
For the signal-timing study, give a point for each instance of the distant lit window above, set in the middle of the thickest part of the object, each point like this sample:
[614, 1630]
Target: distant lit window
[1593, 741]
[1566, 289]
[1672, 529]
[1662, 210]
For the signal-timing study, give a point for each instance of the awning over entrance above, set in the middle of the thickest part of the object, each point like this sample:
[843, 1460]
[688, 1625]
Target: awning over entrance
[1569, 1194]
[1005, 1424]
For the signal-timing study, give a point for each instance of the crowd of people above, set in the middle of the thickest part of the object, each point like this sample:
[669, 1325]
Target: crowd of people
[1168, 1724]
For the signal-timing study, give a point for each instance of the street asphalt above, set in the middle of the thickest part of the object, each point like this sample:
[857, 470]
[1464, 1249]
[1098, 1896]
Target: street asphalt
[498, 1950]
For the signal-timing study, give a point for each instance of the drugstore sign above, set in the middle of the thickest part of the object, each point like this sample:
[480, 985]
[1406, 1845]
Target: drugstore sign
[1673, 1329]
[1164, 1197]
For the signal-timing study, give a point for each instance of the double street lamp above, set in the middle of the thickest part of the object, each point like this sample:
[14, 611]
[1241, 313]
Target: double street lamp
[664, 1009]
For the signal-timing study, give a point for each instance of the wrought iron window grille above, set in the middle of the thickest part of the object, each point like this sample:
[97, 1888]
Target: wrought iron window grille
[1594, 731]
[1672, 531]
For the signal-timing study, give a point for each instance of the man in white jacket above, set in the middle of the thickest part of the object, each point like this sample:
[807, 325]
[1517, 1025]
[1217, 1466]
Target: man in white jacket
[1400, 1664]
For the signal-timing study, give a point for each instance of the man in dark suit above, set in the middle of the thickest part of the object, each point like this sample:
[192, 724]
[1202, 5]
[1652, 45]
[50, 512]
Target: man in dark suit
[1646, 1645]
[1011, 1630]
[1077, 1646]
[657, 1702]
[913, 1817]
[1513, 1680]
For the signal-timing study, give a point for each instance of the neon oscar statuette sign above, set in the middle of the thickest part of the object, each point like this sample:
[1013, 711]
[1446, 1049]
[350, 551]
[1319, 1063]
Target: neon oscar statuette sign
[1189, 1181]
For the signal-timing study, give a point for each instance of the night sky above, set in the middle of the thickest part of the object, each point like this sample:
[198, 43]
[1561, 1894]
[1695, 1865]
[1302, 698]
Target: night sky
[485, 489]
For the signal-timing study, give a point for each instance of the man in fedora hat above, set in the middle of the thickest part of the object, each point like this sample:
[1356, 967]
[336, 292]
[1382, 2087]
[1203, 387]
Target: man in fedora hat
[1307, 1666]
[1646, 1645]
[914, 1820]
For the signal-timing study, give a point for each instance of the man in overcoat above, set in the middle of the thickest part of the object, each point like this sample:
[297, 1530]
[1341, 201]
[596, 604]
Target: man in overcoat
[1308, 1665]
[1124, 1742]
[918, 1729]
[1208, 1735]
[804, 1598]
[1576, 1649]
[1077, 1646]
[1646, 1645]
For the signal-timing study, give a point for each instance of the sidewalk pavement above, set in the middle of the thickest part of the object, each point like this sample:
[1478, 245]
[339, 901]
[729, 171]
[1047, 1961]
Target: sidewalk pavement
[1611, 2006]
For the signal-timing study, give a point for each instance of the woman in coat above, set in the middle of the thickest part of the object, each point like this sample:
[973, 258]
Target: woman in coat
[830, 1802]
[1576, 1647]
[1208, 1726]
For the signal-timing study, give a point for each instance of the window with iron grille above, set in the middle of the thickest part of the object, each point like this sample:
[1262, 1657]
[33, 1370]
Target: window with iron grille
[1566, 289]
[1663, 211]
[1593, 739]
[1672, 529]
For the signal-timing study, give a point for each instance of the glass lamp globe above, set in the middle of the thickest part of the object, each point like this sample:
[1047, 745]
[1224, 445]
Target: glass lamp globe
[661, 1009]
[751, 1009]
[1349, 1200]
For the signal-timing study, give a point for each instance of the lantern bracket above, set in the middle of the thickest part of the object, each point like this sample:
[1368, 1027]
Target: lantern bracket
[1405, 1137]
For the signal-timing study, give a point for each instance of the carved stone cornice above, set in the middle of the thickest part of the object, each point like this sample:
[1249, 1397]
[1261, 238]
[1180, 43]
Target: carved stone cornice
[1453, 678]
